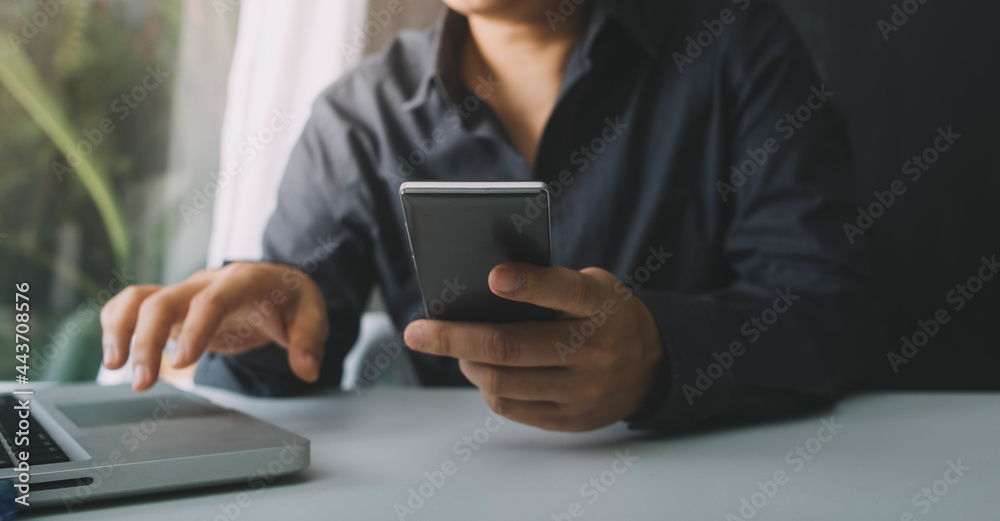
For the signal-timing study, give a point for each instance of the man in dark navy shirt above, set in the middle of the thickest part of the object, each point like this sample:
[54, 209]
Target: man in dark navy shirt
[699, 179]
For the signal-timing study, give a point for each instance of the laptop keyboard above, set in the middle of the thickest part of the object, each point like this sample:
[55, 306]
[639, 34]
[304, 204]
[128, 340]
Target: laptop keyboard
[41, 447]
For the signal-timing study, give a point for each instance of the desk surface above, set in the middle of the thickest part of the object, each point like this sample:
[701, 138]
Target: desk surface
[873, 460]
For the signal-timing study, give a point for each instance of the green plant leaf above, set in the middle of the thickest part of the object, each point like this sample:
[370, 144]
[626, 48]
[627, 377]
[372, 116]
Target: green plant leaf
[19, 76]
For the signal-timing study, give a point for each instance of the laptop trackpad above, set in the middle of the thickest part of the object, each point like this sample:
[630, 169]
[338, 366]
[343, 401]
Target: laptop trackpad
[117, 412]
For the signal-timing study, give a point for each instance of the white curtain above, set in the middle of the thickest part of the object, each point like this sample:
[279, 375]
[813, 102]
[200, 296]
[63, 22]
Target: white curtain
[286, 53]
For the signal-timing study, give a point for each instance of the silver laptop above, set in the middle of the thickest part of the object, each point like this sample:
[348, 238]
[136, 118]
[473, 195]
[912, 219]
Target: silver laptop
[87, 442]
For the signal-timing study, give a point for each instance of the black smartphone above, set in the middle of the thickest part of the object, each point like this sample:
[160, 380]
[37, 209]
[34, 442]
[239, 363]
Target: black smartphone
[459, 231]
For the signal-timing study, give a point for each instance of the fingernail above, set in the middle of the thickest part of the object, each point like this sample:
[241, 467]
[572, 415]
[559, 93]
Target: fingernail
[109, 349]
[506, 280]
[141, 376]
[180, 352]
[313, 361]
[414, 336]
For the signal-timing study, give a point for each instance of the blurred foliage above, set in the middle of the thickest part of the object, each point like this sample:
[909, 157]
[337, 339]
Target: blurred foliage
[88, 53]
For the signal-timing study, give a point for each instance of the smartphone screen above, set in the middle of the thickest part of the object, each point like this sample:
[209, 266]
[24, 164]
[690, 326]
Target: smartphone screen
[459, 231]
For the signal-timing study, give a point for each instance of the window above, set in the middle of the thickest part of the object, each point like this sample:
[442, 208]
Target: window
[110, 113]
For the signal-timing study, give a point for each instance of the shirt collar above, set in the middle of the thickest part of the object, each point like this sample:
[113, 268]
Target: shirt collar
[447, 38]
[643, 21]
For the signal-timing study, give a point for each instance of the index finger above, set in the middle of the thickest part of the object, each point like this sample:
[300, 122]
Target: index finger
[578, 293]
[523, 344]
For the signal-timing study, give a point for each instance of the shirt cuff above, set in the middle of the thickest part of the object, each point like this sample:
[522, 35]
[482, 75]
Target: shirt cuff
[685, 350]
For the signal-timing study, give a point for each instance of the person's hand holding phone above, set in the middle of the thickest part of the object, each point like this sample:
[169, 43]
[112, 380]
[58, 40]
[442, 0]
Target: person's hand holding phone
[234, 309]
[535, 372]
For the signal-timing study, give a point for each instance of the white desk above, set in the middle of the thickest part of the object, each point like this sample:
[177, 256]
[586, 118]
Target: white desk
[369, 450]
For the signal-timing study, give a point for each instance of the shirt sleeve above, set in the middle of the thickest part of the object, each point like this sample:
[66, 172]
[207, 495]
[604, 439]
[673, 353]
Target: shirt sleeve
[799, 324]
[324, 226]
